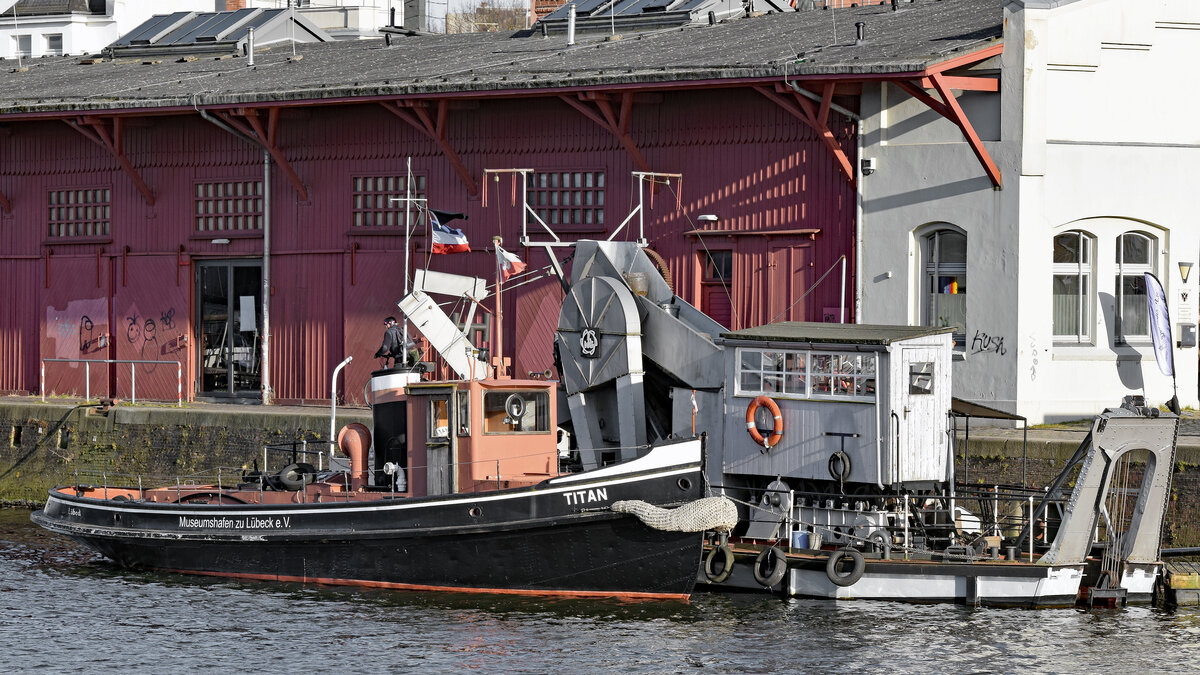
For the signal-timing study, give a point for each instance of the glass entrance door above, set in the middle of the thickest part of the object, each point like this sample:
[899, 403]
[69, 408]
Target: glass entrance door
[230, 307]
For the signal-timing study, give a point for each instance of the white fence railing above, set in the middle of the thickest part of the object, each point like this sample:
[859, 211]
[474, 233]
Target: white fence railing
[87, 364]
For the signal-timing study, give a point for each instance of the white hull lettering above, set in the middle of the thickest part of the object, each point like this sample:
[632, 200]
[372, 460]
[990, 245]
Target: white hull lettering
[586, 496]
[247, 523]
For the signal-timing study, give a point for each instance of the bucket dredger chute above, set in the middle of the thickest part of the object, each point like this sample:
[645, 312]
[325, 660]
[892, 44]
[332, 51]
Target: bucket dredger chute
[450, 341]
[627, 344]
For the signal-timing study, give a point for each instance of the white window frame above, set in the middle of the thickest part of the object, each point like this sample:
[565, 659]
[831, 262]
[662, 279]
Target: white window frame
[931, 269]
[797, 374]
[1085, 271]
[1136, 270]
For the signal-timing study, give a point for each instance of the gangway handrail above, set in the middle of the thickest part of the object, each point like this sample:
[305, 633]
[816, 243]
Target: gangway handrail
[87, 376]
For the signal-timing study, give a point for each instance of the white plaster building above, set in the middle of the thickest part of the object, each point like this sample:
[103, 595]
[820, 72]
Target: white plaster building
[37, 28]
[1094, 135]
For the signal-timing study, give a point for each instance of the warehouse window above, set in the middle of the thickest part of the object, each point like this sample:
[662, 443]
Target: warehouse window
[79, 213]
[378, 201]
[571, 198]
[229, 206]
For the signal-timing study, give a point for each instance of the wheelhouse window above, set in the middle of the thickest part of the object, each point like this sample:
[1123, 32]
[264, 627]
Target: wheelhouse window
[516, 412]
[439, 418]
[806, 374]
[1135, 256]
[1072, 287]
[945, 255]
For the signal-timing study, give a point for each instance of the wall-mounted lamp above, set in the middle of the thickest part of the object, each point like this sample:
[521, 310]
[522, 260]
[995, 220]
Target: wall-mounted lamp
[868, 165]
[220, 241]
[1185, 270]
[707, 218]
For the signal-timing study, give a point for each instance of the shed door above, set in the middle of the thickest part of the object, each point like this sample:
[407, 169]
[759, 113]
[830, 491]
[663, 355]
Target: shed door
[922, 425]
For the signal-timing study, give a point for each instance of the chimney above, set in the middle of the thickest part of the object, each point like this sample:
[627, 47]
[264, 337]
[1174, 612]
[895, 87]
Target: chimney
[231, 5]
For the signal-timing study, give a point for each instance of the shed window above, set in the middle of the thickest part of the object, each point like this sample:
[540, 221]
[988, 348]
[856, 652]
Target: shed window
[229, 206]
[379, 201]
[920, 378]
[570, 198]
[806, 374]
[79, 213]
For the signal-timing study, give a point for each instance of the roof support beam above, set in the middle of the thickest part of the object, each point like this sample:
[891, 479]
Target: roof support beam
[616, 122]
[948, 107]
[108, 134]
[818, 118]
[253, 128]
[416, 114]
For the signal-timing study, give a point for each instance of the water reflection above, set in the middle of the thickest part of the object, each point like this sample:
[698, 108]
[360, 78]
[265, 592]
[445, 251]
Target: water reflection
[65, 609]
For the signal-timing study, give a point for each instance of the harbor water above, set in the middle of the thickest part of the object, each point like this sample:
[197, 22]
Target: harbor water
[64, 609]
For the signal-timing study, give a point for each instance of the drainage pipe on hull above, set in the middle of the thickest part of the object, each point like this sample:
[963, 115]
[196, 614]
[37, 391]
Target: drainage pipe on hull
[333, 405]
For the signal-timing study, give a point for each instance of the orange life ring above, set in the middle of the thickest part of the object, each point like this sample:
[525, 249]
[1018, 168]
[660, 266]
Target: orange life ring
[776, 433]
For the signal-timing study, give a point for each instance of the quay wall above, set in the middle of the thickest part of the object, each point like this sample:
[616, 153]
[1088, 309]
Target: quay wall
[46, 444]
[997, 457]
[43, 445]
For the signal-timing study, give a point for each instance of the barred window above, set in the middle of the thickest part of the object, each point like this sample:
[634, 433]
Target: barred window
[229, 206]
[373, 205]
[568, 197]
[79, 213]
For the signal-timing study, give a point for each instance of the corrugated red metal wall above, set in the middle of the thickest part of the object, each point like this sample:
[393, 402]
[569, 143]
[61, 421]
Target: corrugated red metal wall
[743, 159]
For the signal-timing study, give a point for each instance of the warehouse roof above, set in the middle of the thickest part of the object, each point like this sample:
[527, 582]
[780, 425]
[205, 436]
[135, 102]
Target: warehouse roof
[805, 44]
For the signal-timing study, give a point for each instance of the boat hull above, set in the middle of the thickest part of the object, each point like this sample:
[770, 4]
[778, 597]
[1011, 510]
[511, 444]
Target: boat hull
[555, 538]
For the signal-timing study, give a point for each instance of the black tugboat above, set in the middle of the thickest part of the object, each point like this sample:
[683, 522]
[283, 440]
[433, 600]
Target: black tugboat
[482, 507]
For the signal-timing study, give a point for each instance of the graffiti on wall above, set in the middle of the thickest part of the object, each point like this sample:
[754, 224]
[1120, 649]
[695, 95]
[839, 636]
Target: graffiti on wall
[983, 342]
[79, 330]
[154, 339]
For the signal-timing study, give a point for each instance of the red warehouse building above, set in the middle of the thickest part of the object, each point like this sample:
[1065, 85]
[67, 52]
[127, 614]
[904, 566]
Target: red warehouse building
[147, 198]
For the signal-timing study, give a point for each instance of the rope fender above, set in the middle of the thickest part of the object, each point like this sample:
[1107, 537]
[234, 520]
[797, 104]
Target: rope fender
[711, 513]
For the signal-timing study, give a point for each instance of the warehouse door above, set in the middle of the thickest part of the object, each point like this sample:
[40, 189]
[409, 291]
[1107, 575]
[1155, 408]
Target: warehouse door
[229, 303]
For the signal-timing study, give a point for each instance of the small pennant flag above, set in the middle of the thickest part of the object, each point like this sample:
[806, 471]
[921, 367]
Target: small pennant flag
[510, 264]
[447, 239]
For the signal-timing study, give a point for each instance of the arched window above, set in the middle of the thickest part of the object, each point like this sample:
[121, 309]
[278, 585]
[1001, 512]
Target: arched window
[1073, 287]
[1135, 257]
[945, 281]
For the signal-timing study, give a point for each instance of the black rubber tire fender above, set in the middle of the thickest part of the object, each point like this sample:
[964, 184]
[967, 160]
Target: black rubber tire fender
[296, 476]
[723, 556]
[850, 578]
[770, 566]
